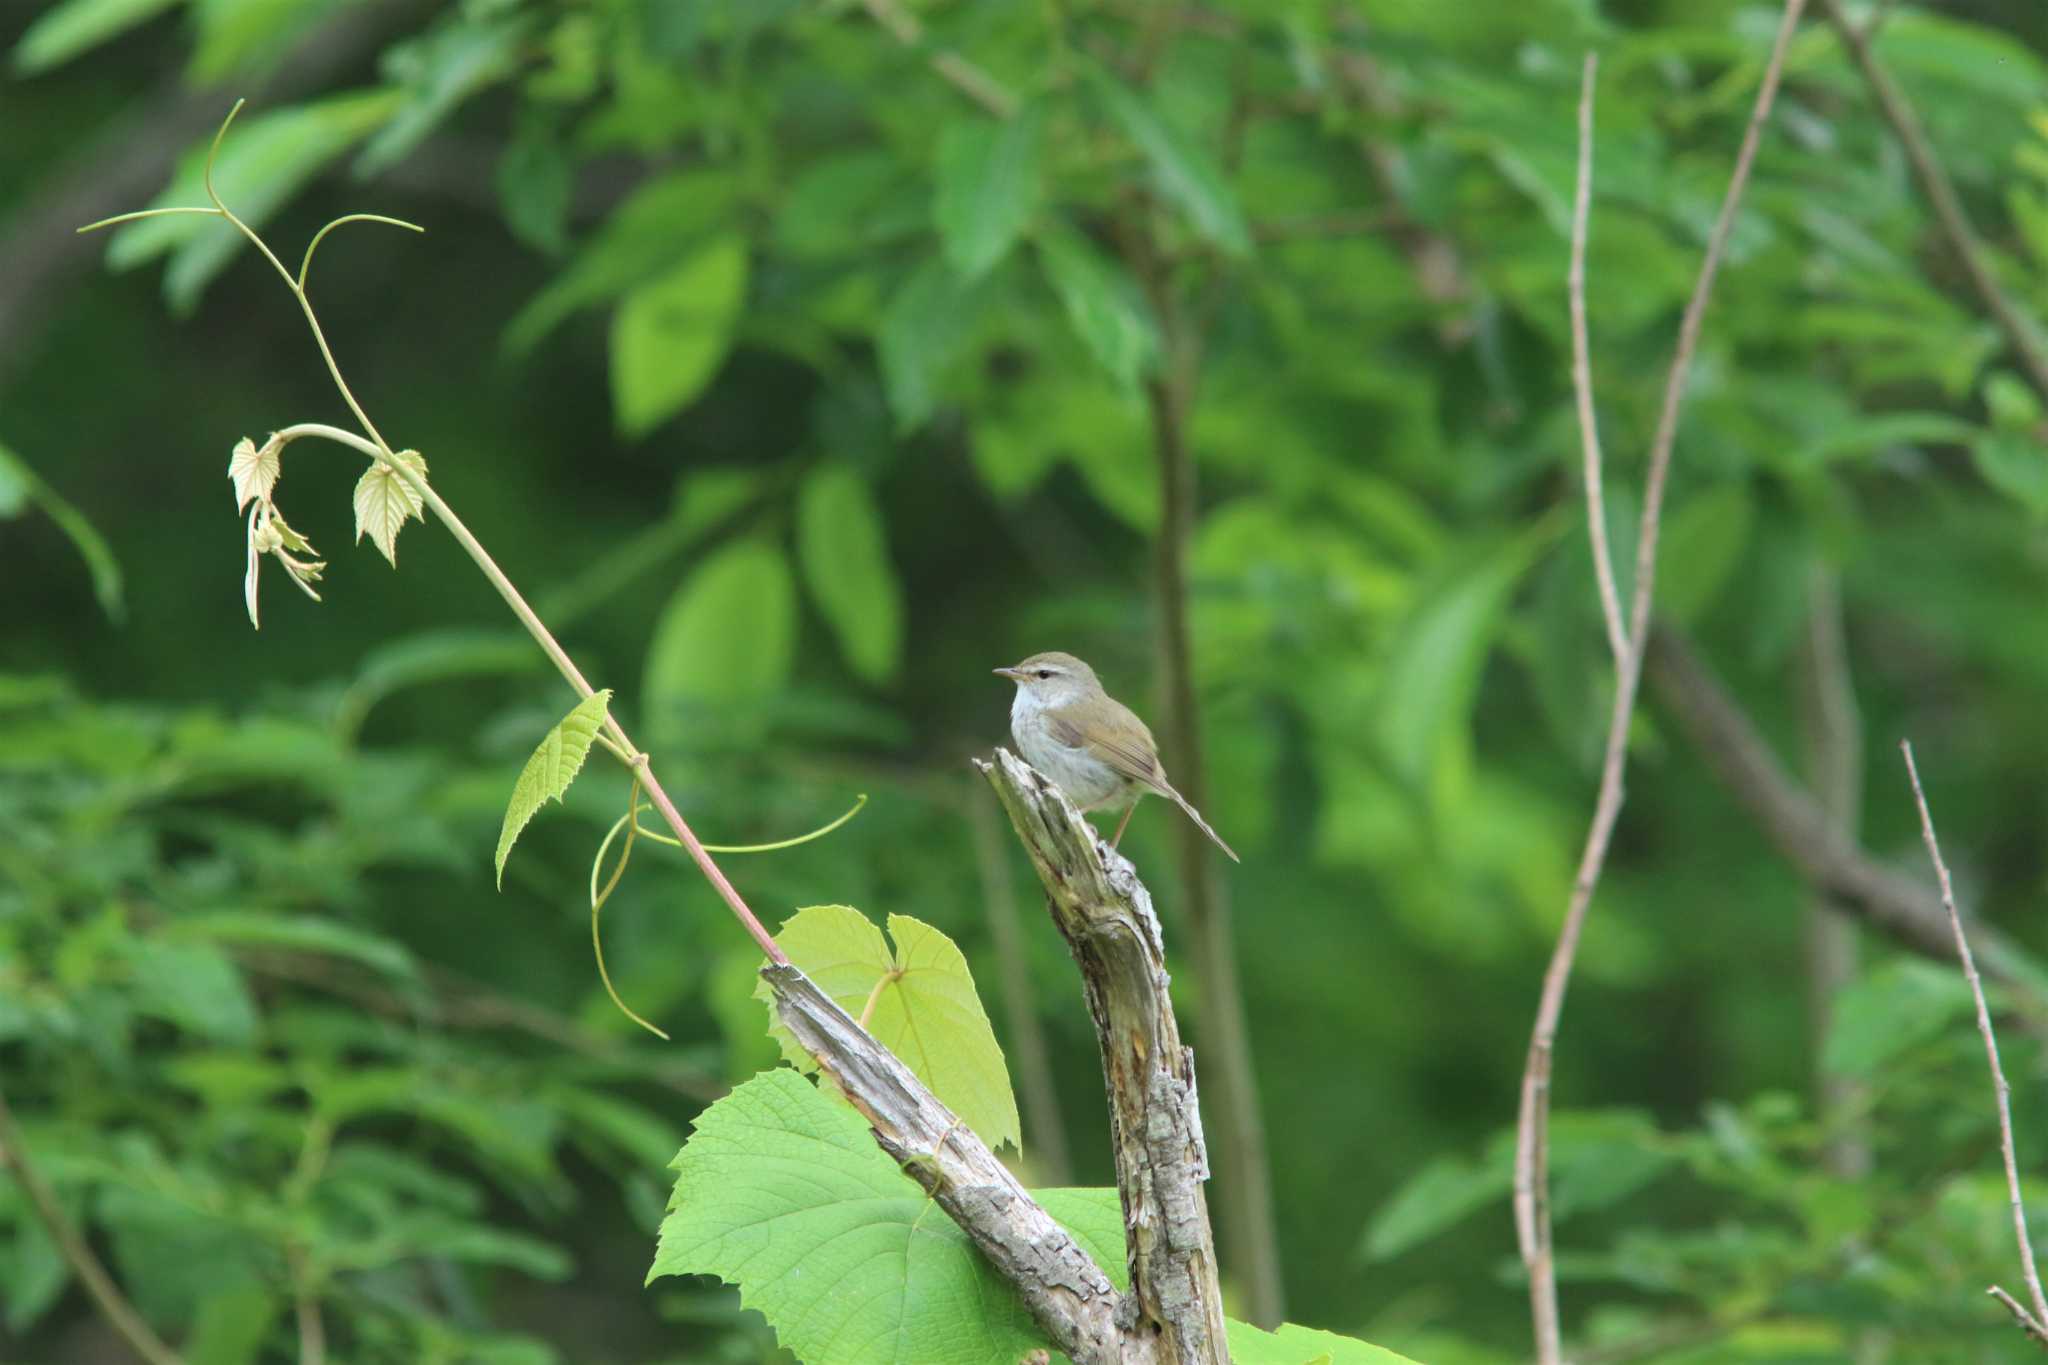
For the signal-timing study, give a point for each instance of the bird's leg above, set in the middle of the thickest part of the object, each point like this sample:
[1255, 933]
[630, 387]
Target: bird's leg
[1121, 824]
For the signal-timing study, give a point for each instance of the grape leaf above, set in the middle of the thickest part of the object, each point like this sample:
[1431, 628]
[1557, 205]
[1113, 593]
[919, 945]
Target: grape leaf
[384, 501]
[254, 470]
[783, 1192]
[552, 768]
[1297, 1345]
[925, 1011]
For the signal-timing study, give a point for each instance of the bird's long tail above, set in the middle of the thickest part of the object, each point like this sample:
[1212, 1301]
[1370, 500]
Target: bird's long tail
[1200, 823]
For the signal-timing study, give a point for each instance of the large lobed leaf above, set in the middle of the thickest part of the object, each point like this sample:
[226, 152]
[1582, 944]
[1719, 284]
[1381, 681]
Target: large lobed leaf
[925, 1011]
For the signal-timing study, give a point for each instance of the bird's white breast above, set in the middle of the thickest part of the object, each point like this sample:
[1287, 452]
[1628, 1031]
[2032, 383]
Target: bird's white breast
[1088, 782]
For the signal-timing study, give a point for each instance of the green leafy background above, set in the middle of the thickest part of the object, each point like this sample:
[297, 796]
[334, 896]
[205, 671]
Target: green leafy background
[798, 388]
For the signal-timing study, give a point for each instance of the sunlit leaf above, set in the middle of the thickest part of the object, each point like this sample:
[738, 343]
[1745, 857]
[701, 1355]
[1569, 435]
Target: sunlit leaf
[784, 1193]
[670, 335]
[727, 636]
[552, 768]
[920, 1003]
[63, 31]
[1296, 1345]
[844, 551]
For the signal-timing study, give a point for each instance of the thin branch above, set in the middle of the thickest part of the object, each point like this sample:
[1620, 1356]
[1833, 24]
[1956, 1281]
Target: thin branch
[106, 1295]
[2036, 1323]
[1582, 376]
[1027, 1035]
[1941, 194]
[1531, 1179]
[306, 1308]
[1797, 825]
[962, 74]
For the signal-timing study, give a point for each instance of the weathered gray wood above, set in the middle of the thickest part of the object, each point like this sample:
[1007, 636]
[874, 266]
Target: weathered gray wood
[1064, 1290]
[1106, 916]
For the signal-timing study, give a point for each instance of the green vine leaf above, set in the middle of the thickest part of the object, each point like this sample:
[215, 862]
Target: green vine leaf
[918, 1001]
[384, 501]
[1296, 1345]
[552, 768]
[783, 1192]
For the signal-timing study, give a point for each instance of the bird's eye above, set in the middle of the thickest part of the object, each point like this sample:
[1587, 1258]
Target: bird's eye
[1045, 673]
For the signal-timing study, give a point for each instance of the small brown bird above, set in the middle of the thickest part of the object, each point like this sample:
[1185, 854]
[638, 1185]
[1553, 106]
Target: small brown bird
[1088, 742]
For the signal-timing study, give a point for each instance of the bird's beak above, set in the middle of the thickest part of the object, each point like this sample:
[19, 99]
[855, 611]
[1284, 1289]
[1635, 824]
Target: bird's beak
[1014, 674]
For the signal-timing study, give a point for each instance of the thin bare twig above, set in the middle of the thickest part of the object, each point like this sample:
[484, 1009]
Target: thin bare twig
[1941, 194]
[1582, 375]
[306, 1307]
[2035, 1323]
[106, 1295]
[963, 75]
[1531, 1181]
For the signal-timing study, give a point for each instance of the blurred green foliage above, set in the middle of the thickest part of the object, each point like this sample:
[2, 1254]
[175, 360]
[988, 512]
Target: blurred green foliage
[799, 378]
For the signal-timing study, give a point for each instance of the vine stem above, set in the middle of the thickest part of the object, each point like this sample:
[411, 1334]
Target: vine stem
[637, 760]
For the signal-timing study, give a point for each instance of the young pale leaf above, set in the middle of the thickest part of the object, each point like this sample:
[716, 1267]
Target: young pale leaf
[1101, 304]
[845, 557]
[1184, 171]
[552, 768]
[924, 1008]
[63, 31]
[727, 638]
[988, 187]
[670, 335]
[384, 501]
[1297, 1345]
[783, 1192]
[254, 471]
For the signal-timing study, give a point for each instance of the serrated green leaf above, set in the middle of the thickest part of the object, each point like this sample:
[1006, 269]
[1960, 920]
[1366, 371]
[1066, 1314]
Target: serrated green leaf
[670, 335]
[844, 551]
[66, 30]
[784, 1193]
[988, 188]
[1703, 542]
[727, 636]
[1185, 172]
[383, 501]
[1101, 303]
[552, 768]
[925, 1011]
[924, 329]
[1297, 1345]
[264, 161]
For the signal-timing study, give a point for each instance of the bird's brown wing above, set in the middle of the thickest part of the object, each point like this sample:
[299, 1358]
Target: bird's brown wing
[1138, 761]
